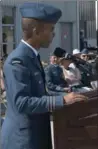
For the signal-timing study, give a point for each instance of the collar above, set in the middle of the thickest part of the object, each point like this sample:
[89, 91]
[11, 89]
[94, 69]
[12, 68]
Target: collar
[34, 50]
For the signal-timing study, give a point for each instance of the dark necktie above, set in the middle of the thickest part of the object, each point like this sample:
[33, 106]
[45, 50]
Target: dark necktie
[43, 73]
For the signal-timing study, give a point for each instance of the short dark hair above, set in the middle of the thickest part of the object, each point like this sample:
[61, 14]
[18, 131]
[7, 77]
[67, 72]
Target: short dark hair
[28, 24]
[26, 27]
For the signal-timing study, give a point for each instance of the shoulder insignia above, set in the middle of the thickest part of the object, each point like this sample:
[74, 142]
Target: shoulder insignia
[17, 61]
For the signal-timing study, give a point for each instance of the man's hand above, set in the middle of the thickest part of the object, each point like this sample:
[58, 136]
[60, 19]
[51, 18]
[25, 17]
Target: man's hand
[72, 97]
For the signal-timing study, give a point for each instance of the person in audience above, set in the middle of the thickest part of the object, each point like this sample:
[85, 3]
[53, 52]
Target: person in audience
[81, 74]
[76, 52]
[94, 83]
[55, 80]
[86, 79]
[84, 54]
[72, 66]
[71, 75]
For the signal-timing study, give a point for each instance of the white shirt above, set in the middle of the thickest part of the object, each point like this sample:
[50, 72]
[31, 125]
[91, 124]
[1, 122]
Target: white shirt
[34, 50]
[70, 77]
[76, 71]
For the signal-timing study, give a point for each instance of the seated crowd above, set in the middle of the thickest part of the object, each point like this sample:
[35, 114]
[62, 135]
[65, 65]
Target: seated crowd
[64, 75]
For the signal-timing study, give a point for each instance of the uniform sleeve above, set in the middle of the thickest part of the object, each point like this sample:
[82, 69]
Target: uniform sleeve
[17, 80]
[50, 84]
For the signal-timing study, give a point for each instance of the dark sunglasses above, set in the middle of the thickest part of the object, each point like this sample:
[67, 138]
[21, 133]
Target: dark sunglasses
[85, 56]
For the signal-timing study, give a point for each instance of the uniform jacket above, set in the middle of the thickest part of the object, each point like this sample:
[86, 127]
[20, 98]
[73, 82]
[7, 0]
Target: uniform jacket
[27, 120]
[55, 80]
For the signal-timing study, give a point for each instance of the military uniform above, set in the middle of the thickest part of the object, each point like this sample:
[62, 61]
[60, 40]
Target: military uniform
[27, 120]
[54, 78]
[54, 73]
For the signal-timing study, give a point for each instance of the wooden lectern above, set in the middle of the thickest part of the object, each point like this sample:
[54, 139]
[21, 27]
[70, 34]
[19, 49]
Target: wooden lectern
[76, 126]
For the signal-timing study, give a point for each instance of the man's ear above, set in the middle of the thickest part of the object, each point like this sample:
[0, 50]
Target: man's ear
[36, 31]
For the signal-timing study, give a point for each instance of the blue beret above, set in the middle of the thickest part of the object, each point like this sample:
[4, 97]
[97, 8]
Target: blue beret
[40, 11]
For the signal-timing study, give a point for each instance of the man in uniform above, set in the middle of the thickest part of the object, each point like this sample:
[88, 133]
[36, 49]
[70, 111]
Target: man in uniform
[55, 80]
[27, 123]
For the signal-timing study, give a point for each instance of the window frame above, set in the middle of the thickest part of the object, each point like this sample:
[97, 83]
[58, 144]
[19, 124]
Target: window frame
[8, 25]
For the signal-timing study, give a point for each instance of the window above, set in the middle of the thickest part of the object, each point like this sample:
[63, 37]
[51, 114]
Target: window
[91, 29]
[7, 15]
[87, 19]
[8, 27]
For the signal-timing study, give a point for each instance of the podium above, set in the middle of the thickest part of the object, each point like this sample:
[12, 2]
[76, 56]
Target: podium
[76, 126]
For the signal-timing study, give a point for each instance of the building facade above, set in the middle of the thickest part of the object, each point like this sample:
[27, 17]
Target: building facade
[87, 19]
[67, 29]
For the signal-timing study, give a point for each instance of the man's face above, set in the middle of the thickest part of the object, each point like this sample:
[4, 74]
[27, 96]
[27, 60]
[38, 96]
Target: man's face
[52, 59]
[46, 36]
[85, 57]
